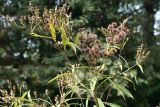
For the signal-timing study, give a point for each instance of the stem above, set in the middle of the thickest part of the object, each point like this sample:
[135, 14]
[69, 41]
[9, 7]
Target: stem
[108, 93]
[78, 59]
[35, 27]
[95, 99]
[80, 99]
[65, 54]
[130, 68]
[103, 92]
[85, 58]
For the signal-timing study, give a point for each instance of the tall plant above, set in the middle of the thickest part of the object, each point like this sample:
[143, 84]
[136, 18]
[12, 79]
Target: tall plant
[97, 66]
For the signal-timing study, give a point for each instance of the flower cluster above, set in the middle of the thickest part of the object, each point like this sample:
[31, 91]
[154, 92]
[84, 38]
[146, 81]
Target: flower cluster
[90, 46]
[8, 95]
[114, 33]
[22, 19]
[141, 54]
[108, 52]
[42, 18]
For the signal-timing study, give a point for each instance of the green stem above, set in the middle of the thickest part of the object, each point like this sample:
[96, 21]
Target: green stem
[130, 68]
[95, 99]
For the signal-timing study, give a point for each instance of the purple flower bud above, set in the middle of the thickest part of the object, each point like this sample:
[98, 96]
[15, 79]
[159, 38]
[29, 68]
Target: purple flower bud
[109, 39]
[122, 34]
[114, 24]
[117, 39]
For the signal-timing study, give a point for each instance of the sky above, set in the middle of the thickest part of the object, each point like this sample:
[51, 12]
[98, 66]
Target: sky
[157, 23]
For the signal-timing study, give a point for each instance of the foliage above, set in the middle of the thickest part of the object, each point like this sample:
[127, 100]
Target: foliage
[35, 61]
[89, 76]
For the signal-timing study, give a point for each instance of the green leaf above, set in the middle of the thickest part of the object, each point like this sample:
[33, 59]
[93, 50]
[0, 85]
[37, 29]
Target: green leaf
[100, 103]
[141, 68]
[58, 76]
[53, 31]
[102, 67]
[15, 104]
[133, 74]
[112, 105]
[76, 41]
[120, 65]
[29, 96]
[40, 36]
[65, 39]
[125, 78]
[93, 82]
[72, 45]
[125, 42]
[121, 89]
[126, 63]
[24, 94]
[67, 104]
[87, 101]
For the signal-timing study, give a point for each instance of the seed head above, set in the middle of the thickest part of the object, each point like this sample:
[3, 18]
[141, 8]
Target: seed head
[142, 54]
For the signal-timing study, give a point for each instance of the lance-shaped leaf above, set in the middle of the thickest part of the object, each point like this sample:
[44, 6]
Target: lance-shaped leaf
[121, 90]
[100, 103]
[53, 31]
[39, 36]
[29, 96]
[72, 45]
[112, 105]
[65, 39]
[58, 76]
[140, 67]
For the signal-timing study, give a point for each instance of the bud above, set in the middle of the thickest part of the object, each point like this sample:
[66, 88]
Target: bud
[109, 39]
[117, 39]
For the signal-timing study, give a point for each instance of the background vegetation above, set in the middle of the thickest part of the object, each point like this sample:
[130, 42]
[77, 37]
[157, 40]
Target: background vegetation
[33, 62]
